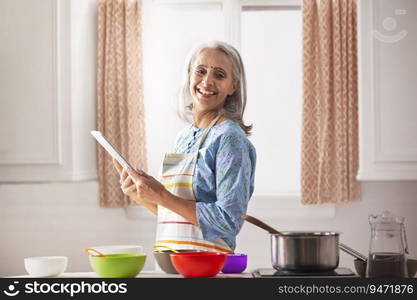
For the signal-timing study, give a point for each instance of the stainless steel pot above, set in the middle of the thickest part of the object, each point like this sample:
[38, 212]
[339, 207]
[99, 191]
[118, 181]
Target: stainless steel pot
[305, 251]
[301, 251]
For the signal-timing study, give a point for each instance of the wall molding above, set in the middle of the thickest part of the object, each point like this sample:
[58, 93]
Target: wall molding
[378, 162]
[69, 142]
[56, 154]
[381, 154]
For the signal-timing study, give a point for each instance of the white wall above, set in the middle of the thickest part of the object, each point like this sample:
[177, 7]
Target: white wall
[64, 218]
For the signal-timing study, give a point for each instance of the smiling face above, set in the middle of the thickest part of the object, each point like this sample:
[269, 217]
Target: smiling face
[211, 80]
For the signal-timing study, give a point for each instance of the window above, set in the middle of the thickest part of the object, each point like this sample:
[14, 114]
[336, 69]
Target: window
[268, 35]
[170, 31]
[271, 50]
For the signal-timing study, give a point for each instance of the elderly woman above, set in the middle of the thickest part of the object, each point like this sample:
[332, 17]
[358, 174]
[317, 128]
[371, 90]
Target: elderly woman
[205, 186]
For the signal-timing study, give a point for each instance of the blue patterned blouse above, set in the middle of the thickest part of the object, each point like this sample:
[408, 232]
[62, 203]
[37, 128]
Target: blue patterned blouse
[223, 180]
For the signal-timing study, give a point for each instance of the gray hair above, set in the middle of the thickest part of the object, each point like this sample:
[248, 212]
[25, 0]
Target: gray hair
[235, 104]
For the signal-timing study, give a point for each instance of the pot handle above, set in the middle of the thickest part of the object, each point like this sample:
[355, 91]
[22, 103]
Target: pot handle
[352, 252]
[260, 224]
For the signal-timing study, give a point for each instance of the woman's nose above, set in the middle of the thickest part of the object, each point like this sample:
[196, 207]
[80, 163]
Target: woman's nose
[208, 79]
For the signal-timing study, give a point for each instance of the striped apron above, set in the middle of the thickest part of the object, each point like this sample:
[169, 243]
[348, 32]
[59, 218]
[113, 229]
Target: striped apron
[173, 230]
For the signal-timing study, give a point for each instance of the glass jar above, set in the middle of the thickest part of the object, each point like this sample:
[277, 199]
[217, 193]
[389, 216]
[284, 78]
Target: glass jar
[387, 247]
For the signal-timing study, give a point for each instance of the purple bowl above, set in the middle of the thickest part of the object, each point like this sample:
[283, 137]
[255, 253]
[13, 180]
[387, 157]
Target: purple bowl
[235, 263]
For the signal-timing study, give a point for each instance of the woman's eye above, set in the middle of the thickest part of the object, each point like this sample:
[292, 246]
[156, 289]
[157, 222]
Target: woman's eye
[200, 71]
[220, 75]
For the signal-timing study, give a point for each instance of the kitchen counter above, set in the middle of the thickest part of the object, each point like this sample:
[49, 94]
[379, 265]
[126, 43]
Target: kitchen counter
[143, 274]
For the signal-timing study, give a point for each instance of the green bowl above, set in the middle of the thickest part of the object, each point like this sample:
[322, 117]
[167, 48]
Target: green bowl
[118, 265]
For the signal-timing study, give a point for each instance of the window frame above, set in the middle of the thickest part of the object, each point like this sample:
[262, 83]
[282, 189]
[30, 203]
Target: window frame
[232, 10]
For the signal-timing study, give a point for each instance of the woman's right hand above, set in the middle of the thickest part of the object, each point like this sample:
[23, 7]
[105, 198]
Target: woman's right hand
[126, 184]
[129, 188]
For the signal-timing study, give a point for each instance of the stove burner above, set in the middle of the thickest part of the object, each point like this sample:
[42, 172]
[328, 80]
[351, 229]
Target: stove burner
[269, 272]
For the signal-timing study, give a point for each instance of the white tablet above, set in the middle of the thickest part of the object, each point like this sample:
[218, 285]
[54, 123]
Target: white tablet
[110, 149]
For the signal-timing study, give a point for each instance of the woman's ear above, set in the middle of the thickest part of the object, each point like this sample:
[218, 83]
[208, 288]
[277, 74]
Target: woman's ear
[235, 85]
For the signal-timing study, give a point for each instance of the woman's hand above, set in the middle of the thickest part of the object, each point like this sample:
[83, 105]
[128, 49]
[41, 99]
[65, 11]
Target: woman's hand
[126, 184]
[140, 186]
[147, 187]
[129, 188]
[149, 192]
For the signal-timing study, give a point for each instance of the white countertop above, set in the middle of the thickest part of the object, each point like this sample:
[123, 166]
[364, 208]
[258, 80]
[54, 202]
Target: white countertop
[142, 274]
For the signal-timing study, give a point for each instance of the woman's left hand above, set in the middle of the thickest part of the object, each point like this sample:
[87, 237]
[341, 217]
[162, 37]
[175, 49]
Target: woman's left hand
[147, 187]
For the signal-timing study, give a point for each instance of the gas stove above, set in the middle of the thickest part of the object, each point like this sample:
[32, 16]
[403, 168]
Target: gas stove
[272, 273]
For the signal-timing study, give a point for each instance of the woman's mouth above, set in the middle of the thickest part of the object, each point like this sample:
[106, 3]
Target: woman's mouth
[205, 94]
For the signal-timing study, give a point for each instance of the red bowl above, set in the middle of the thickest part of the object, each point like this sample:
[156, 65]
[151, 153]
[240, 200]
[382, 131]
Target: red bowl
[198, 264]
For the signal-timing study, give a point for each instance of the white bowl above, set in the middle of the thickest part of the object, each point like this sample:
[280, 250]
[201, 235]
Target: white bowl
[46, 266]
[120, 249]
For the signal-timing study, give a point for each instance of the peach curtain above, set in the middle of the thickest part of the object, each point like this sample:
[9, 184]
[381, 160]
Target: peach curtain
[330, 157]
[120, 109]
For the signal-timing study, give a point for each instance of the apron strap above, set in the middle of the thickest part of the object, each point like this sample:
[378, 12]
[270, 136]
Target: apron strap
[206, 131]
